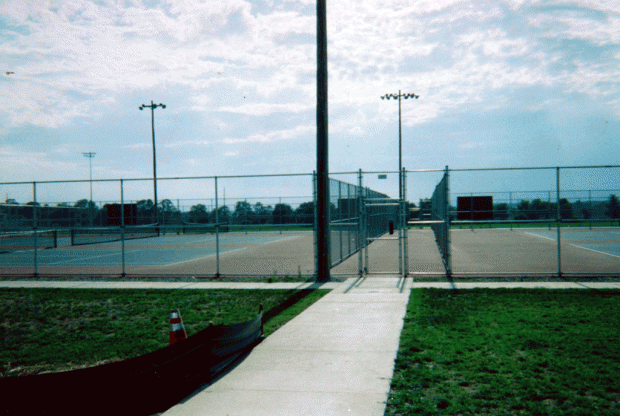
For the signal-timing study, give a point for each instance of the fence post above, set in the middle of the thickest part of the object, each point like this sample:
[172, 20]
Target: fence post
[590, 208]
[314, 226]
[34, 225]
[360, 224]
[511, 212]
[122, 230]
[447, 223]
[399, 218]
[340, 218]
[404, 224]
[559, 220]
[217, 234]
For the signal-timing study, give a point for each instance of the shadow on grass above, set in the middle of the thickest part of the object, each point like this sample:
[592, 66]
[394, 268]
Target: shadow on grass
[295, 297]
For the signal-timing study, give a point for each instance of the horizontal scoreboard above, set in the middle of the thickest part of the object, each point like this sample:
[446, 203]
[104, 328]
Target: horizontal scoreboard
[474, 208]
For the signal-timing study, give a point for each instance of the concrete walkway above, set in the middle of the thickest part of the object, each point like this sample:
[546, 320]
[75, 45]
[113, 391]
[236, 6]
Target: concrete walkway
[336, 358]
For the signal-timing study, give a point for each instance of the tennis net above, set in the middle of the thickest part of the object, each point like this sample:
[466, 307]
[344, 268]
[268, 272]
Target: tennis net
[24, 240]
[96, 235]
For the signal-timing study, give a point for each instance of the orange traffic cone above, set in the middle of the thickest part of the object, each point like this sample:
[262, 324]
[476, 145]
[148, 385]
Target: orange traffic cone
[177, 331]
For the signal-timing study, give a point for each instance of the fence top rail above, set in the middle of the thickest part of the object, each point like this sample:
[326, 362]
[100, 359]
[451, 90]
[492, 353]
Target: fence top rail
[159, 179]
[304, 174]
[517, 168]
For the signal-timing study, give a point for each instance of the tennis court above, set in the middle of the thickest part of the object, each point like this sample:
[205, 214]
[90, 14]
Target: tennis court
[533, 251]
[259, 253]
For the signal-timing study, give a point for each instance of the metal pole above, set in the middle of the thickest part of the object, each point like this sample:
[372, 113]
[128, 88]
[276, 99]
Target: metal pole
[559, 219]
[404, 222]
[511, 212]
[314, 225]
[34, 225]
[122, 230]
[590, 208]
[153, 107]
[90, 156]
[366, 232]
[322, 145]
[340, 218]
[400, 184]
[154, 163]
[447, 223]
[360, 224]
[217, 233]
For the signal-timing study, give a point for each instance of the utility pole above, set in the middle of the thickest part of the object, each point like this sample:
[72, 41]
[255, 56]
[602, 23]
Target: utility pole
[90, 156]
[153, 107]
[322, 165]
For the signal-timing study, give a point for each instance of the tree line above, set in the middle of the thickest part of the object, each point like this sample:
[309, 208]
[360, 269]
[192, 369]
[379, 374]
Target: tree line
[540, 210]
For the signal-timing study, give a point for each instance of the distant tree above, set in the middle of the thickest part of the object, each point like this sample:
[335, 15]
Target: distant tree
[243, 213]
[501, 211]
[11, 201]
[262, 213]
[566, 209]
[282, 214]
[85, 203]
[82, 203]
[36, 204]
[198, 214]
[223, 215]
[613, 207]
[170, 214]
[523, 210]
[304, 214]
[145, 211]
[63, 204]
[540, 209]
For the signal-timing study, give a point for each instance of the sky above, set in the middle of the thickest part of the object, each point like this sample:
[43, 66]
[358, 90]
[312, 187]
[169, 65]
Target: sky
[501, 83]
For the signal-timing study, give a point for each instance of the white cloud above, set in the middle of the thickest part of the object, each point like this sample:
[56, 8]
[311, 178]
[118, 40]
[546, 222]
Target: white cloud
[246, 71]
[273, 136]
[185, 143]
[264, 109]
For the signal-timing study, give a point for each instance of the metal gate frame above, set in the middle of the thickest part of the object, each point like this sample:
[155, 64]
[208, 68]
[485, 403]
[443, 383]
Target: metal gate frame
[400, 224]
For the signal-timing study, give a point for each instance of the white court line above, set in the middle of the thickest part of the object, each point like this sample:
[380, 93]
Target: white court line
[281, 239]
[203, 257]
[90, 257]
[575, 245]
[596, 251]
[536, 235]
[231, 251]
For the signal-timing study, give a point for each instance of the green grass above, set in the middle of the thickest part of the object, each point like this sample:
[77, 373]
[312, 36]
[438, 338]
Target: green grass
[508, 351]
[44, 330]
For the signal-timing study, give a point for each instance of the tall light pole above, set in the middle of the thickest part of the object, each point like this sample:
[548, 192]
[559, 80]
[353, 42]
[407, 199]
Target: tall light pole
[400, 137]
[153, 107]
[90, 156]
[401, 215]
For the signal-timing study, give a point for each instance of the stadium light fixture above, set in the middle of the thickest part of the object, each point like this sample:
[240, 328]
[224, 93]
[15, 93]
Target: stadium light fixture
[153, 107]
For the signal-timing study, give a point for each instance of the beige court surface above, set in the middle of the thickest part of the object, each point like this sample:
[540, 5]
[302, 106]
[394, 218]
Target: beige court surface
[478, 252]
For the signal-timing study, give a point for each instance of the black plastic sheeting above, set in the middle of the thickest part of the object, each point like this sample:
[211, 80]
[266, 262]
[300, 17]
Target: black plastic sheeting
[144, 385]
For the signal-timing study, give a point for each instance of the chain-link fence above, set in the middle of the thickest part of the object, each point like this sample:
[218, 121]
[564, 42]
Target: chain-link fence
[520, 221]
[474, 222]
[200, 226]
